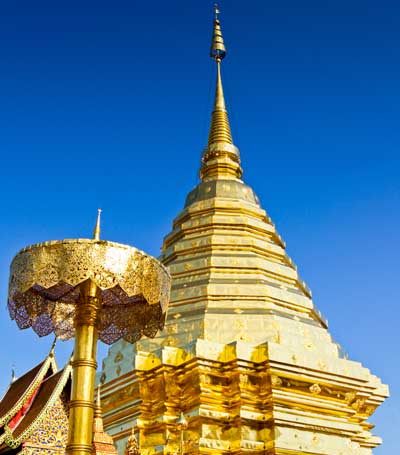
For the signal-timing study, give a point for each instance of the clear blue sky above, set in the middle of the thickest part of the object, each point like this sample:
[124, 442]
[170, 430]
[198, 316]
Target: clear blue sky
[106, 104]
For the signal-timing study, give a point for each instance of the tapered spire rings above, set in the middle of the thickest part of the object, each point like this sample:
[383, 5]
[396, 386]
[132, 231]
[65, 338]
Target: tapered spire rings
[217, 50]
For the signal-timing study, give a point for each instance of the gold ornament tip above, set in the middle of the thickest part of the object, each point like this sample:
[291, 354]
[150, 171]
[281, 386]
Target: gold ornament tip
[98, 399]
[53, 346]
[96, 232]
[217, 50]
[216, 10]
[182, 421]
[13, 375]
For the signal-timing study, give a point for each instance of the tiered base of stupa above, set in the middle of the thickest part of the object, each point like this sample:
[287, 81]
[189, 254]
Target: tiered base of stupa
[241, 398]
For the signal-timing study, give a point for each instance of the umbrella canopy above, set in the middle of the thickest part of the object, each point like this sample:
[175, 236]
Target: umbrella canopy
[45, 282]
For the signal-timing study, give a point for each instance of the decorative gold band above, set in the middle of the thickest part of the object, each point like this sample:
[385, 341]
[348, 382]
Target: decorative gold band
[81, 403]
[88, 312]
[77, 448]
[84, 363]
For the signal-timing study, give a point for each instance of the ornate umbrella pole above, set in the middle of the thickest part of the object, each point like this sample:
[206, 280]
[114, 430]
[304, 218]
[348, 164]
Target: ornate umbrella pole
[84, 365]
[89, 289]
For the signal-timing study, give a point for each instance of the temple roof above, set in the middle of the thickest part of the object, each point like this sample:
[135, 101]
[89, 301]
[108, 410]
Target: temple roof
[48, 392]
[22, 388]
[27, 400]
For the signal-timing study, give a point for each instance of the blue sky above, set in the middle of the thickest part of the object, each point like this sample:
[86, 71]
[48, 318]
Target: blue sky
[107, 104]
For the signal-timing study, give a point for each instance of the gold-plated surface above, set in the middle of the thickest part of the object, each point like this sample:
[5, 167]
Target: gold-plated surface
[217, 50]
[245, 354]
[103, 443]
[81, 408]
[221, 157]
[51, 434]
[96, 232]
[220, 130]
[45, 282]
[245, 398]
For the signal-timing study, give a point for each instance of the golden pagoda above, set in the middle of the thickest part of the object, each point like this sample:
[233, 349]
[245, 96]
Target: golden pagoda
[245, 356]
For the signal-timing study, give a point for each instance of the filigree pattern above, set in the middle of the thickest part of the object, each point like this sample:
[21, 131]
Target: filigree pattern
[45, 284]
[52, 434]
[132, 446]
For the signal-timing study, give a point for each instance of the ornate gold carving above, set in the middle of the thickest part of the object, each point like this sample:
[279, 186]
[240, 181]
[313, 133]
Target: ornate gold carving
[132, 446]
[45, 280]
[31, 389]
[52, 434]
[88, 312]
[46, 409]
[369, 410]
[359, 404]
[276, 381]
[315, 389]
[350, 397]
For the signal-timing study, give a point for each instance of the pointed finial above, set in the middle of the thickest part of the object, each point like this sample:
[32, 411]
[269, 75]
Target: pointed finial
[216, 10]
[53, 346]
[96, 232]
[221, 158]
[182, 422]
[220, 130]
[97, 409]
[98, 401]
[218, 50]
[13, 376]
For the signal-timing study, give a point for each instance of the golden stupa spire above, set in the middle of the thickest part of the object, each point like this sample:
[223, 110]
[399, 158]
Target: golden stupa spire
[103, 443]
[96, 232]
[97, 408]
[221, 158]
[220, 130]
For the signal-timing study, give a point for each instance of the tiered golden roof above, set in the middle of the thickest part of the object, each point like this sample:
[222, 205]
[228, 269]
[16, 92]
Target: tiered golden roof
[245, 354]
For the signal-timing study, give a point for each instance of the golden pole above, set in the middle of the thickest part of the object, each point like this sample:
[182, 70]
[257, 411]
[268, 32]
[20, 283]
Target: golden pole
[84, 372]
[84, 366]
